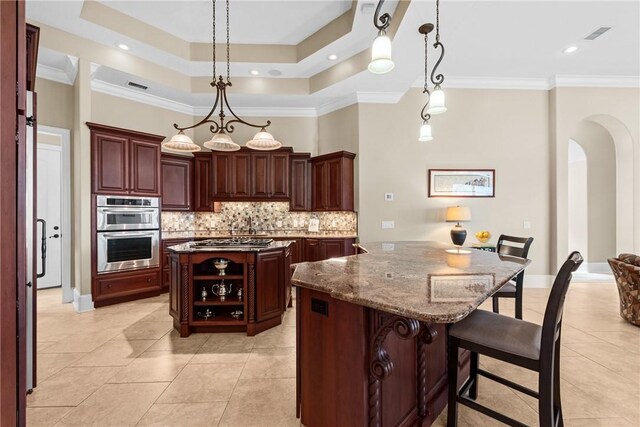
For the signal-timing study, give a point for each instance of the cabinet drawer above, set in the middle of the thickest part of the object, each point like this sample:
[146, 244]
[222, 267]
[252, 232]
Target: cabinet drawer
[128, 283]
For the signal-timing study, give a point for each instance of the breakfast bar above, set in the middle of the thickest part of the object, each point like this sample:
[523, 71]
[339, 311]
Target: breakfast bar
[371, 329]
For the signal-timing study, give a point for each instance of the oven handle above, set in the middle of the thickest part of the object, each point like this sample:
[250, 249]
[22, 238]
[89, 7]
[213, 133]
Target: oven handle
[123, 234]
[127, 210]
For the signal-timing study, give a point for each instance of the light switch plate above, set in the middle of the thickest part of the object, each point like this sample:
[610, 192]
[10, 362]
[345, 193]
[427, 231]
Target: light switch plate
[388, 197]
[526, 225]
[388, 224]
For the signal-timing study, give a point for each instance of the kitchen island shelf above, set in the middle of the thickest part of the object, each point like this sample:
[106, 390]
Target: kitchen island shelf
[217, 277]
[214, 302]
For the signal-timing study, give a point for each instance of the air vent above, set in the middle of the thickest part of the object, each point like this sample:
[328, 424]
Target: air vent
[597, 33]
[137, 85]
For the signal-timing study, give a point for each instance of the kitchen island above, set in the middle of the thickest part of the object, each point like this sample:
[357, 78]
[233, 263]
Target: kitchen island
[229, 286]
[371, 330]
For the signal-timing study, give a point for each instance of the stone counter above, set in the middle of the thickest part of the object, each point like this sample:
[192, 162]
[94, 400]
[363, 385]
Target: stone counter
[417, 280]
[190, 248]
[293, 234]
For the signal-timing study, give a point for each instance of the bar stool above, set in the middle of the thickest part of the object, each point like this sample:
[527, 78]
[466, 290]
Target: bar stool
[517, 342]
[513, 288]
[359, 249]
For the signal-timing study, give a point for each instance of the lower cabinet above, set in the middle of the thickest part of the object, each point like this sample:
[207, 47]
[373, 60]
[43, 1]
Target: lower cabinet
[269, 278]
[165, 260]
[321, 249]
[114, 288]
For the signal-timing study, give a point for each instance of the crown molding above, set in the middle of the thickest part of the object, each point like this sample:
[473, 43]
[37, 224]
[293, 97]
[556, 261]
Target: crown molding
[336, 104]
[54, 74]
[595, 81]
[264, 111]
[379, 97]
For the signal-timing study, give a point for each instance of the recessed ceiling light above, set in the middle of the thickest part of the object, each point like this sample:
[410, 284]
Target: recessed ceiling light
[254, 72]
[123, 46]
[332, 57]
[570, 49]
[275, 73]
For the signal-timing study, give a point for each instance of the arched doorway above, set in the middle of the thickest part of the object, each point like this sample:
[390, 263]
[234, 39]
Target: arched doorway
[592, 199]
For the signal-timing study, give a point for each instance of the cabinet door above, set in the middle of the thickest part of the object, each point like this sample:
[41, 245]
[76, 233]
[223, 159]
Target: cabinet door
[332, 248]
[318, 186]
[279, 174]
[261, 174]
[202, 177]
[287, 277]
[145, 168]
[269, 284]
[300, 194]
[241, 172]
[110, 157]
[222, 166]
[333, 185]
[177, 187]
[312, 250]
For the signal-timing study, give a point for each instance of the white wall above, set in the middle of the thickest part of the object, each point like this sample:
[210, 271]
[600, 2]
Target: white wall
[578, 200]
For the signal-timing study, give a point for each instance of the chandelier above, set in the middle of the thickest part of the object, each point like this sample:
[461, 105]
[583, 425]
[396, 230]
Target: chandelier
[435, 100]
[381, 62]
[221, 130]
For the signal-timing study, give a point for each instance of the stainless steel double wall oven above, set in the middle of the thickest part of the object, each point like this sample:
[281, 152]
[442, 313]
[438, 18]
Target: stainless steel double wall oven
[128, 233]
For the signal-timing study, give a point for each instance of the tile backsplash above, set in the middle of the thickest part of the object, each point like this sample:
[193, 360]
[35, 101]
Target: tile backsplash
[265, 216]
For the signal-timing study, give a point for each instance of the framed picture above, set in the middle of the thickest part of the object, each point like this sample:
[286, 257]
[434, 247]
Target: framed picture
[462, 183]
[459, 287]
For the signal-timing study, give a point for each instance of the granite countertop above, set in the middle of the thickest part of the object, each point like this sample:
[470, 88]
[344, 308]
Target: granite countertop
[188, 248]
[169, 235]
[418, 280]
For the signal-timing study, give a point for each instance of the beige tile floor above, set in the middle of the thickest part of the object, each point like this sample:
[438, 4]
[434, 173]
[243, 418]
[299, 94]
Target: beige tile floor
[123, 365]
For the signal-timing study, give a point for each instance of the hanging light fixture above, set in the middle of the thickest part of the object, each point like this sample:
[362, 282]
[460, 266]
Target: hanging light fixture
[381, 62]
[181, 143]
[436, 102]
[221, 140]
[425, 129]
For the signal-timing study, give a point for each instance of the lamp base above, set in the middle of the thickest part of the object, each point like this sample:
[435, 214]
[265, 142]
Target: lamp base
[458, 235]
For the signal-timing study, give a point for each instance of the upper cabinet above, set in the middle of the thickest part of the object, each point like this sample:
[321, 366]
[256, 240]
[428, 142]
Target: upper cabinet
[300, 182]
[332, 182]
[125, 161]
[202, 182]
[247, 175]
[177, 183]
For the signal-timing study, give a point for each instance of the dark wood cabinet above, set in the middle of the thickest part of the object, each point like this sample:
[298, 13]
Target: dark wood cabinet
[124, 161]
[119, 287]
[260, 163]
[241, 175]
[165, 260]
[299, 182]
[279, 175]
[222, 175]
[332, 182]
[177, 183]
[202, 182]
[321, 249]
[269, 279]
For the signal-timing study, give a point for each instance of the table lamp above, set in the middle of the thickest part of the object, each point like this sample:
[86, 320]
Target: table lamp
[458, 214]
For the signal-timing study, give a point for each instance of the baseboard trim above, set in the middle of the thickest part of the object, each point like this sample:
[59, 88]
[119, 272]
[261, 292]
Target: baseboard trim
[538, 280]
[82, 302]
[67, 294]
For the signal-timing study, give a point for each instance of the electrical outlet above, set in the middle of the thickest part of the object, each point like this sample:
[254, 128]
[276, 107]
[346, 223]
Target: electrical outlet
[388, 246]
[388, 197]
[295, 223]
[526, 225]
[388, 224]
[279, 224]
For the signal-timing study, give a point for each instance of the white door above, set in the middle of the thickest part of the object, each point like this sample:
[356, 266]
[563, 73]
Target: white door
[49, 191]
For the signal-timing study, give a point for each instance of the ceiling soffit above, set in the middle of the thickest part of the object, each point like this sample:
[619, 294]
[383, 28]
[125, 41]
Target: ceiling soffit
[114, 20]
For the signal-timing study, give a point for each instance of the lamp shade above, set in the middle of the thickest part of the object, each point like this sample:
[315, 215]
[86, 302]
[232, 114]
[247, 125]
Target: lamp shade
[221, 142]
[425, 133]
[181, 143]
[458, 214]
[263, 141]
[436, 102]
[381, 62]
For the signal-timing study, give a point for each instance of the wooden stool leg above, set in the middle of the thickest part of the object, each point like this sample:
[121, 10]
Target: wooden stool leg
[519, 301]
[452, 369]
[546, 389]
[496, 305]
[556, 386]
[473, 374]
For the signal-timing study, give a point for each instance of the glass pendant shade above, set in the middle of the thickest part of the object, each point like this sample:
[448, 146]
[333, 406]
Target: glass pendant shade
[263, 141]
[436, 102]
[381, 62]
[221, 142]
[425, 133]
[181, 143]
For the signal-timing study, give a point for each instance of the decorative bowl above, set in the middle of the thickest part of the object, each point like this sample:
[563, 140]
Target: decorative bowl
[237, 314]
[220, 264]
[483, 236]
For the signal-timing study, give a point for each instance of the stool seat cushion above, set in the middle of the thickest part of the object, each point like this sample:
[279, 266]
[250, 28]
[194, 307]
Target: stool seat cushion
[500, 332]
[508, 288]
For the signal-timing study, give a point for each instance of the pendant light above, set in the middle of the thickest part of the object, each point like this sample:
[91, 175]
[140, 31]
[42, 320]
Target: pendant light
[221, 140]
[436, 102]
[381, 62]
[425, 129]
[181, 143]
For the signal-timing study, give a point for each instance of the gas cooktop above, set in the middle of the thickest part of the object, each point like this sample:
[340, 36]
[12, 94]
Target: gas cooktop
[234, 241]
